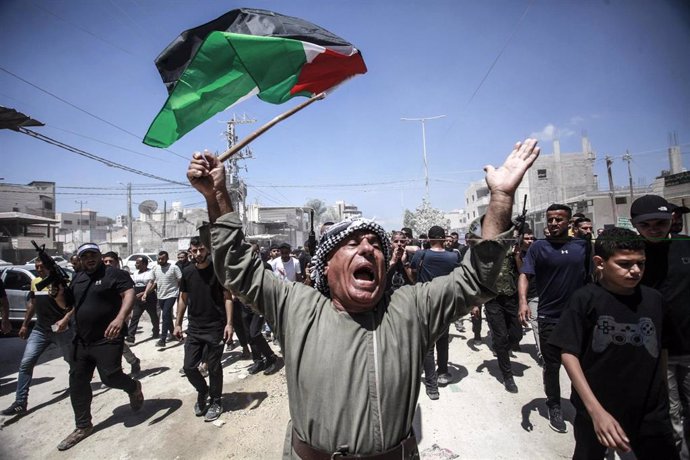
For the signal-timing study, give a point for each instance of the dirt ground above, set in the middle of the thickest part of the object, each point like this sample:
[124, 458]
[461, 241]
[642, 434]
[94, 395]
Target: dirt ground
[475, 418]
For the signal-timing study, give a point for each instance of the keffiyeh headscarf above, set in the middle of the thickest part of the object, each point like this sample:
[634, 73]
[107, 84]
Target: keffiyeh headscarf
[333, 237]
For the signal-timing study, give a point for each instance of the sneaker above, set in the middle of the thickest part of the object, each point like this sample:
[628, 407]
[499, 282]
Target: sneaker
[75, 437]
[155, 335]
[459, 326]
[257, 367]
[444, 379]
[136, 399]
[556, 420]
[16, 408]
[214, 411]
[182, 372]
[509, 383]
[432, 394]
[201, 405]
[129, 339]
[136, 367]
[160, 343]
[271, 365]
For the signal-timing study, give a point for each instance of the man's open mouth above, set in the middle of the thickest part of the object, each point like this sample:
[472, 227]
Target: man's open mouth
[364, 274]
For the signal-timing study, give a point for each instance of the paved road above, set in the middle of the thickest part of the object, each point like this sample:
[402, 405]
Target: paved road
[475, 418]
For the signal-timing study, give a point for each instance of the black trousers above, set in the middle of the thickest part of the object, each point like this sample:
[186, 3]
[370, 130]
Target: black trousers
[210, 350]
[477, 323]
[107, 358]
[552, 364]
[257, 343]
[238, 323]
[587, 446]
[506, 332]
[140, 307]
[440, 366]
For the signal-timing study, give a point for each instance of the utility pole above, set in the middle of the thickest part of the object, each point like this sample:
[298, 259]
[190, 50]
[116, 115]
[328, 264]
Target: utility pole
[129, 218]
[236, 187]
[426, 164]
[612, 193]
[80, 220]
[627, 157]
[165, 215]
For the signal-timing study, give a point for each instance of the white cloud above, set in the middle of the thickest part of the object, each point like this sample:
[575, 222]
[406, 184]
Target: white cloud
[551, 132]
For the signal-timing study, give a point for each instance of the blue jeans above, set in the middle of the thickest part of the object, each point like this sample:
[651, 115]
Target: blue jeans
[39, 340]
[166, 306]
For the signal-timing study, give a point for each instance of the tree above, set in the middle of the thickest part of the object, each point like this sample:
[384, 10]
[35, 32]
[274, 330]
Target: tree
[319, 207]
[424, 217]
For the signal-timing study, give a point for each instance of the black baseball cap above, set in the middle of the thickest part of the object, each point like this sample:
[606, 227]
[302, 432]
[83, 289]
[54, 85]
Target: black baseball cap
[650, 207]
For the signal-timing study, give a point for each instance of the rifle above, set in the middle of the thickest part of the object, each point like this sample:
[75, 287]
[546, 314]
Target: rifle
[521, 223]
[57, 276]
[311, 242]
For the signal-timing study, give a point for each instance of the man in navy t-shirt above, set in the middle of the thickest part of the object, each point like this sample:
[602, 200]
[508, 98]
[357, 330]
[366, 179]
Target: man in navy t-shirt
[426, 265]
[559, 268]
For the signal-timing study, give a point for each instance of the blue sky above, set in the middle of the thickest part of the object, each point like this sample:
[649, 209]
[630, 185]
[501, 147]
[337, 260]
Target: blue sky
[499, 70]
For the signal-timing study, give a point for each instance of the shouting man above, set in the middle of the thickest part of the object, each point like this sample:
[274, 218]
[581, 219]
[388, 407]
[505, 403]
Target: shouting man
[348, 334]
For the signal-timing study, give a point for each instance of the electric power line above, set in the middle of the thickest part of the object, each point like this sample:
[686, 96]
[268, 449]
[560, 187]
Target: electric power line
[92, 156]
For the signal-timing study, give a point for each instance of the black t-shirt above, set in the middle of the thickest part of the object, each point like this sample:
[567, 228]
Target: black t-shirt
[97, 298]
[48, 312]
[205, 300]
[618, 341]
[668, 270]
[396, 276]
[430, 264]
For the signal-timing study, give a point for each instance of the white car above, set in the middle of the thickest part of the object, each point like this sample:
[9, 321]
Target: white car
[17, 280]
[61, 261]
[129, 261]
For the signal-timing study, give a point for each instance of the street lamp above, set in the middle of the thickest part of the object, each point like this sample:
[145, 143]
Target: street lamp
[426, 166]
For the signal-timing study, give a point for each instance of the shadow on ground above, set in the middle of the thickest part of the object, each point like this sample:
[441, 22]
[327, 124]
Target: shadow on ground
[539, 405]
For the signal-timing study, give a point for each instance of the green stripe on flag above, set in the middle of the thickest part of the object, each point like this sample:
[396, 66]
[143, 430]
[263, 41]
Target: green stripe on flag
[227, 68]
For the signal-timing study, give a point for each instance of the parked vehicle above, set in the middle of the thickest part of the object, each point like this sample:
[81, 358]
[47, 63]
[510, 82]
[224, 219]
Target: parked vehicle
[129, 261]
[17, 280]
[61, 261]
[4, 262]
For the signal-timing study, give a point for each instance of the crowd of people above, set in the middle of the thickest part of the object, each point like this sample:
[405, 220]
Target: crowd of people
[368, 313]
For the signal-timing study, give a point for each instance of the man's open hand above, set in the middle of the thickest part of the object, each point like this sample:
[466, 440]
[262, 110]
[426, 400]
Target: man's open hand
[506, 178]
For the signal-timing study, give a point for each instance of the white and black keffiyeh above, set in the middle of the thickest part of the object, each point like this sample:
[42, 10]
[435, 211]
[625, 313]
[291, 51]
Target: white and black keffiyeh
[333, 237]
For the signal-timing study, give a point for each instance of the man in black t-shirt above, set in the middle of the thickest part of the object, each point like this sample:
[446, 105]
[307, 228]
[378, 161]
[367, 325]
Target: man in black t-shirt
[668, 270]
[209, 327]
[103, 298]
[52, 319]
[610, 341]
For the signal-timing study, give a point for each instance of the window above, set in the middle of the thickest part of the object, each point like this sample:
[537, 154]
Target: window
[621, 199]
[17, 280]
[541, 174]
[48, 206]
[67, 222]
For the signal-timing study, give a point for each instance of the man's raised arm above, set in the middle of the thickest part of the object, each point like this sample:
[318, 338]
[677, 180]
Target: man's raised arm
[502, 183]
[207, 174]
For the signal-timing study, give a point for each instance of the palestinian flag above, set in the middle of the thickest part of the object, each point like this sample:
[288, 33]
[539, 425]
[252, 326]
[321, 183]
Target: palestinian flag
[243, 53]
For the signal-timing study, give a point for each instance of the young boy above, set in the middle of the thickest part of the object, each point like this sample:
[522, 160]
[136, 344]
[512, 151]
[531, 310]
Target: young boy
[610, 341]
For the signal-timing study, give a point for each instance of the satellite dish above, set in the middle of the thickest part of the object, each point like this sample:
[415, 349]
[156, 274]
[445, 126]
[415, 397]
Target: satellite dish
[148, 207]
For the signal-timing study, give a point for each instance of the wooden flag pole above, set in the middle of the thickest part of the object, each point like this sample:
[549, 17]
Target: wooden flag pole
[241, 144]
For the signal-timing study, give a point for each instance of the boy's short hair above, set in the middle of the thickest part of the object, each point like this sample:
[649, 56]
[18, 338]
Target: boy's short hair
[194, 241]
[163, 253]
[111, 255]
[437, 233]
[617, 239]
[560, 207]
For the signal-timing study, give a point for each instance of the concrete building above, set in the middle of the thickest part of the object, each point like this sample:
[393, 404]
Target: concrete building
[267, 225]
[77, 227]
[458, 221]
[346, 211]
[27, 212]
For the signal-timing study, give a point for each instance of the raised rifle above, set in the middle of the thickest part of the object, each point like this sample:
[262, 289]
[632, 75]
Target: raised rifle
[57, 276]
[311, 242]
[521, 223]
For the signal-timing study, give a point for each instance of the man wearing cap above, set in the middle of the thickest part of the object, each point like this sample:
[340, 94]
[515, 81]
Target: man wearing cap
[353, 352]
[103, 299]
[668, 270]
